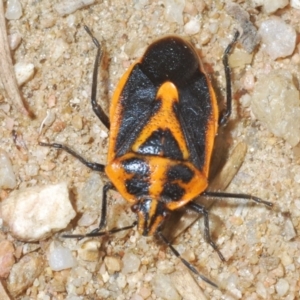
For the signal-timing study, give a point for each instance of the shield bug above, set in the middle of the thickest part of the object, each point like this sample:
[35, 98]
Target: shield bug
[163, 120]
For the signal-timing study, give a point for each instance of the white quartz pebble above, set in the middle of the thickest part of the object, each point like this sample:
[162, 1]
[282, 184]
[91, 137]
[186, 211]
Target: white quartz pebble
[60, 258]
[35, 213]
[270, 6]
[67, 7]
[131, 263]
[7, 176]
[14, 40]
[192, 27]
[24, 72]
[14, 10]
[276, 103]
[279, 38]
[295, 4]
[174, 10]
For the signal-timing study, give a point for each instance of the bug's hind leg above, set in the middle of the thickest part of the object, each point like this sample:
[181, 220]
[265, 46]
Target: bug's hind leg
[202, 210]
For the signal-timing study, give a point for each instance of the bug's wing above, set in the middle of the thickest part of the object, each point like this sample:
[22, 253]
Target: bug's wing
[197, 111]
[135, 104]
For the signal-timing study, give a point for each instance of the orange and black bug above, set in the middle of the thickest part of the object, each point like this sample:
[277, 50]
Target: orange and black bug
[163, 120]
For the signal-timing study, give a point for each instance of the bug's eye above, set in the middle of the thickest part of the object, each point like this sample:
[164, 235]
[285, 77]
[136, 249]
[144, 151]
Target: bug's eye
[135, 208]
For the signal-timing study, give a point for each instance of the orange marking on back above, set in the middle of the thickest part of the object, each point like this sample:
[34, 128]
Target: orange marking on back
[165, 118]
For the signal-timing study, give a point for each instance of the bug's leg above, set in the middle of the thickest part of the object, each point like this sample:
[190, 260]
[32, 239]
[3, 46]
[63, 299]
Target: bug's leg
[225, 114]
[91, 165]
[237, 196]
[96, 107]
[103, 218]
[202, 210]
[186, 263]
[96, 232]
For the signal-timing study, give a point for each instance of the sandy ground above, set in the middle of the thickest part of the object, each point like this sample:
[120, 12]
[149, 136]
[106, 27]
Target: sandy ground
[261, 257]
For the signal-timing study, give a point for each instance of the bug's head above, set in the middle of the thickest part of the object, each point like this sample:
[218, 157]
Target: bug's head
[151, 215]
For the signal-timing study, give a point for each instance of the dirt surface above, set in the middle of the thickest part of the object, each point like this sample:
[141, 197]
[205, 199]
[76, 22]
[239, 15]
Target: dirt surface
[261, 251]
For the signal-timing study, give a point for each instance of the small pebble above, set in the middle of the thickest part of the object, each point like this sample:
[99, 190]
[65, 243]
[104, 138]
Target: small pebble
[87, 219]
[270, 6]
[7, 176]
[295, 4]
[279, 38]
[205, 36]
[60, 258]
[164, 288]
[248, 81]
[289, 230]
[77, 122]
[276, 104]
[145, 292]
[131, 263]
[192, 27]
[249, 38]
[136, 297]
[24, 72]
[165, 266]
[59, 48]
[282, 287]
[30, 247]
[174, 10]
[13, 10]
[7, 258]
[35, 213]
[66, 7]
[121, 281]
[113, 264]
[89, 250]
[140, 4]
[261, 290]
[51, 101]
[286, 258]
[269, 262]
[186, 284]
[240, 58]
[47, 21]
[32, 169]
[14, 40]
[24, 272]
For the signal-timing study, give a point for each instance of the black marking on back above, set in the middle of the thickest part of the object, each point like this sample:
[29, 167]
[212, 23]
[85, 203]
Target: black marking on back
[137, 187]
[170, 59]
[194, 111]
[172, 192]
[180, 172]
[138, 105]
[161, 143]
[136, 166]
[139, 183]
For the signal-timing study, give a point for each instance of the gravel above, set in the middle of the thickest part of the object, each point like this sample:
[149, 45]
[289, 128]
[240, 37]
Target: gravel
[261, 244]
